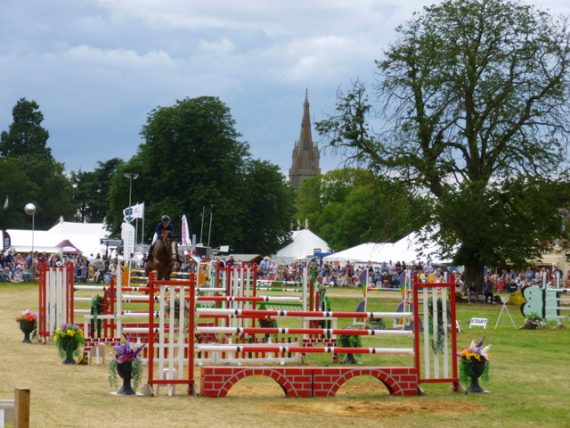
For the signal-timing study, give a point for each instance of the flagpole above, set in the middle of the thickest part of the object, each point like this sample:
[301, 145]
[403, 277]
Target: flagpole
[202, 226]
[210, 228]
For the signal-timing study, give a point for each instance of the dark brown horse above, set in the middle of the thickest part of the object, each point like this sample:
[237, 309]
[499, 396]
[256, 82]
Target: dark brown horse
[163, 256]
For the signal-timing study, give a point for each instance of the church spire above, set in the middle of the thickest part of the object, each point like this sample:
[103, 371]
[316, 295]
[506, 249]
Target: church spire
[306, 155]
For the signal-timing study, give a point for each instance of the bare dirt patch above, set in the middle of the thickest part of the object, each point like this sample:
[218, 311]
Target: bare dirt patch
[391, 407]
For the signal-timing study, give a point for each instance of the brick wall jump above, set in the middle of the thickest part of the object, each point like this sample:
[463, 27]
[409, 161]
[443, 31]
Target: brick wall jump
[308, 381]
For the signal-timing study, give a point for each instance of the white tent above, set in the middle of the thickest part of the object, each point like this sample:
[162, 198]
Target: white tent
[84, 236]
[363, 253]
[413, 248]
[304, 245]
[408, 249]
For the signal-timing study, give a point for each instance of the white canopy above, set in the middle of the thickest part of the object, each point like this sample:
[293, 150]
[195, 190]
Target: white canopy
[304, 245]
[84, 236]
[408, 249]
[363, 253]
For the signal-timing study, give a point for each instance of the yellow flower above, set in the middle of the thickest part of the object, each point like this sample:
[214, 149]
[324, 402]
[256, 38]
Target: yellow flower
[70, 332]
[80, 332]
[58, 330]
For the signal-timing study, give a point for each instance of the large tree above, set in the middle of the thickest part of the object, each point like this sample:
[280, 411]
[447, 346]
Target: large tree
[475, 98]
[268, 206]
[192, 159]
[349, 206]
[24, 149]
[91, 190]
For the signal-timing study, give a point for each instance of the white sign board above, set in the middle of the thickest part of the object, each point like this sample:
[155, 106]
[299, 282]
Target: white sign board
[478, 322]
[128, 237]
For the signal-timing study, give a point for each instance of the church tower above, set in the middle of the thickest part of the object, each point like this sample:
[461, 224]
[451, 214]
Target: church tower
[305, 154]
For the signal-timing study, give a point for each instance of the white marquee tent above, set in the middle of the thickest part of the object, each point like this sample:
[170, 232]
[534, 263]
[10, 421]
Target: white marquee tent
[363, 253]
[408, 249]
[304, 245]
[86, 237]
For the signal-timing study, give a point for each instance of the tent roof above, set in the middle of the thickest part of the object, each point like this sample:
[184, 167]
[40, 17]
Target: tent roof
[363, 253]
[248, 258]
[408, 249]
[68, 247]
[304, 244]
[85, 237]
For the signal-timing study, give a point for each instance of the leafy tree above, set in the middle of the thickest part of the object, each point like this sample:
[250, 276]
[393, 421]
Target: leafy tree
[191, 158]
[24, 147]
[476, 105]
[25, 136]
[91, 190]
[350, 206]
[269, 207]
[18, 189]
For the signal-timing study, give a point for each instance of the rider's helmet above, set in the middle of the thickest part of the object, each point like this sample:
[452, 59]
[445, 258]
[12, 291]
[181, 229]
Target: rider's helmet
[165, 219]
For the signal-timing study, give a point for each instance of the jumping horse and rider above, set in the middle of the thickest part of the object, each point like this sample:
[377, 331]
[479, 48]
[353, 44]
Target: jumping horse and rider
[163, 250]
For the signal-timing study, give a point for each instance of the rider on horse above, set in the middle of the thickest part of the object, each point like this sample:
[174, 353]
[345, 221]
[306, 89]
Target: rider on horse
[163, 225]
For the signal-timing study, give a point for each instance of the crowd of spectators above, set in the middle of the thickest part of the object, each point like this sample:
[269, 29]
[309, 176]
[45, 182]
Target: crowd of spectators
[337, 274]
[512, 280]
[16, 267]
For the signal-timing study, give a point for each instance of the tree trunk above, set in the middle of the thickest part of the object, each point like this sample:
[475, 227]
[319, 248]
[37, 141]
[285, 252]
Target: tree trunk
[474, 278]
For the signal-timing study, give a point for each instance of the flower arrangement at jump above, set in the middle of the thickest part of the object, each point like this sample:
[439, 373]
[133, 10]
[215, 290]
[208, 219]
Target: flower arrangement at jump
[128, 366]
[474, 364]
[68, 340]
[28, 321]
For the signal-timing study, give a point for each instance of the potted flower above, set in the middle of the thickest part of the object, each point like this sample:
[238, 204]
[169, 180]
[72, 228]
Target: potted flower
[28, 323]
[68, 340]
[533, 321]
[349, 341]
[474, 364]
[128, 366]
[97, 308]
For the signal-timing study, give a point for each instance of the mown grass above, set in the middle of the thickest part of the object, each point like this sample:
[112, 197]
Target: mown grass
[529, 383]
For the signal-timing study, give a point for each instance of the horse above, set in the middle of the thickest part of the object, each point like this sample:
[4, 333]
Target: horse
[163, 256]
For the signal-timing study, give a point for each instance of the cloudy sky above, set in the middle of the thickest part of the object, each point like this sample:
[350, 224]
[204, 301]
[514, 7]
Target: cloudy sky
[98, 67]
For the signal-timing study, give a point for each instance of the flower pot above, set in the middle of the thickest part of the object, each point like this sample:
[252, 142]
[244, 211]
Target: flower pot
[477, 369]
[27, 328]
[69, 357]
[125, 371]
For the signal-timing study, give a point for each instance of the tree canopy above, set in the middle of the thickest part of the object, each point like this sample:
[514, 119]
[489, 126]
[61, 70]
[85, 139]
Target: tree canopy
[91, 190]
[192, 158]
[349, 206]
[29, 173]
[474, 95]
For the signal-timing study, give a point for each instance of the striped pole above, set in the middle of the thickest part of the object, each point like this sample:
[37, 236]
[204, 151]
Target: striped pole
[302, 349]
[257, 299]
[312, 331]
[204, 312]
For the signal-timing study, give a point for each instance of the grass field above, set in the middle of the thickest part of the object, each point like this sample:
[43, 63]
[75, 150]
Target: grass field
[529, 384]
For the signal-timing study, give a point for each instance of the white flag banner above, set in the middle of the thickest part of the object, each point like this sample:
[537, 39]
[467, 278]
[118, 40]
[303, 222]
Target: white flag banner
[185, 231]
[137, 211]
[128, 237]
[6, 203]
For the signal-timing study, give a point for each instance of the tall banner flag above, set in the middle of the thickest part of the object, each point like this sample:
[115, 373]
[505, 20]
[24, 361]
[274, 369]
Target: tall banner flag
[128, 237]
[185, 232]
[138, 210]
[6, 203]
[6, 241]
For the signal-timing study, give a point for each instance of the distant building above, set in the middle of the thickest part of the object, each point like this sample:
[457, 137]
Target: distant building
[306, 155]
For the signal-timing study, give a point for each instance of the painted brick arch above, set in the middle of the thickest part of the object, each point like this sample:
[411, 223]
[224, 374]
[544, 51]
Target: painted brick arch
[398, 380]
[308, 381]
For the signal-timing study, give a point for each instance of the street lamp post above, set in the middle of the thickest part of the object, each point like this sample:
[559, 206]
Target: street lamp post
[131, 176]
